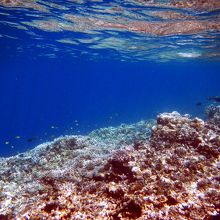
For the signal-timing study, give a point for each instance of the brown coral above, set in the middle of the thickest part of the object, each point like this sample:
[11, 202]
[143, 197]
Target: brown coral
[174, 175]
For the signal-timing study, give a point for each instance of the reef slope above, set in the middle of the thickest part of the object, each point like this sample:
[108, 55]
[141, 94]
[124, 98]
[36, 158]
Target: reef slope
[119, 173]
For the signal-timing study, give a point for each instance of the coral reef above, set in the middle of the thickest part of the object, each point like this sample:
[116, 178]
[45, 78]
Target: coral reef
[124, 134]
[213, 114]
[172, 174]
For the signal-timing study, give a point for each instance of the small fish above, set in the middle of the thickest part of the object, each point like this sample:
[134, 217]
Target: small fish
[31, 139]
[214, 98]
[198, 103]
[7, 142]
[52, 127]
[17, 137]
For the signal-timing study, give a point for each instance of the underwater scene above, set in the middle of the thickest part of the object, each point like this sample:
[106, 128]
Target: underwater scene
[110, 110]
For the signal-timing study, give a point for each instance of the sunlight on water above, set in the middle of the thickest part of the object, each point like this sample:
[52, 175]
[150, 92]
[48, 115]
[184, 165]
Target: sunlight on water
[189, 55]
[136, 30]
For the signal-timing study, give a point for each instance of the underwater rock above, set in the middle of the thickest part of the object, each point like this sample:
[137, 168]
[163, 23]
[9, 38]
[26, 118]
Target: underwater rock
[172, 174]
[214, 98]
[213, 114]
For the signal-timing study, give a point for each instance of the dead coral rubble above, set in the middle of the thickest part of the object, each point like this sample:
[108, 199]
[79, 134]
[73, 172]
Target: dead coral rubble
[173, 175]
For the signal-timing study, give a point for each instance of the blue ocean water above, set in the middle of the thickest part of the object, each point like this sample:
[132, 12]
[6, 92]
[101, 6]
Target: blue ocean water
[59, 78]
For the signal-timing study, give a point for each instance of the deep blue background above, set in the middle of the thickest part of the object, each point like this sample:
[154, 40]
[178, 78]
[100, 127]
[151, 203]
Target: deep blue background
[35, 95]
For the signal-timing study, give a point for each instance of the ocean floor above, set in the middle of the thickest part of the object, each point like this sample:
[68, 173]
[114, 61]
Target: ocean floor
[163, 169]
